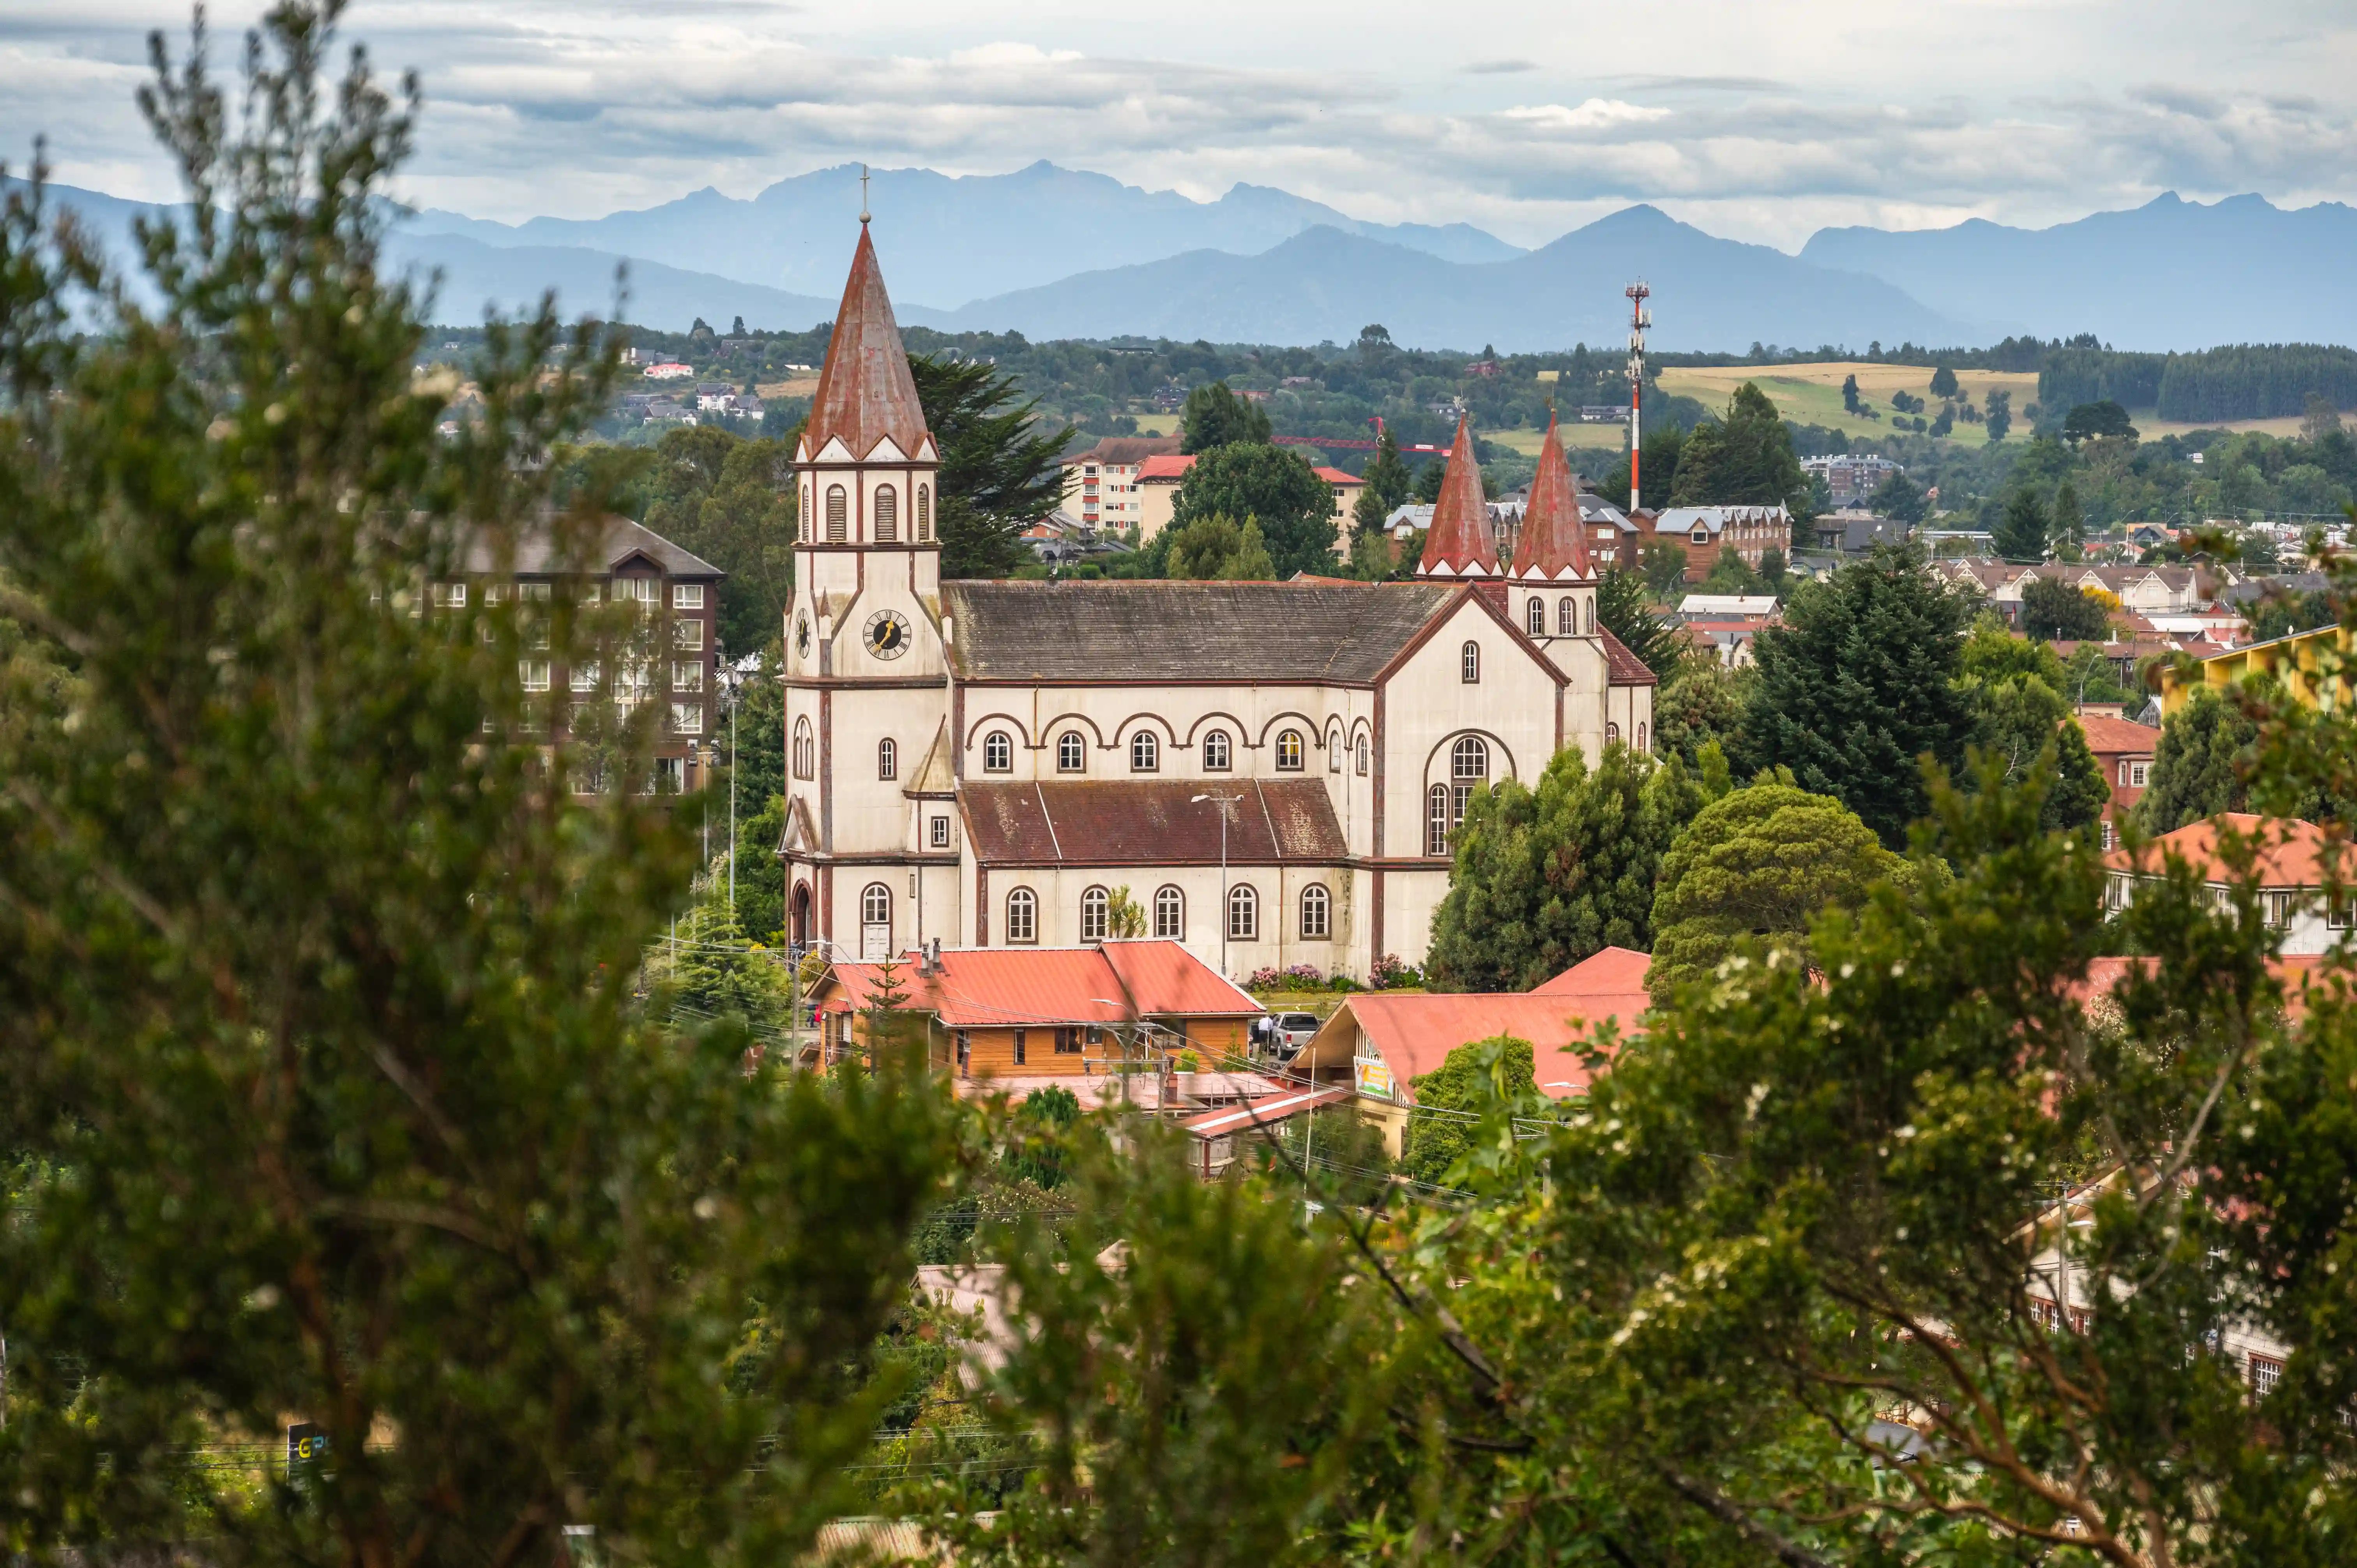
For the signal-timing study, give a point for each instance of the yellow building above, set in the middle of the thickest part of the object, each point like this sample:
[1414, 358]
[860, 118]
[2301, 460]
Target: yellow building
[2314, 667]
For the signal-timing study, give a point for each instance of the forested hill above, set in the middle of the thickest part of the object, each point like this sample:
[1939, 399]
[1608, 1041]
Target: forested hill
[2246, 380]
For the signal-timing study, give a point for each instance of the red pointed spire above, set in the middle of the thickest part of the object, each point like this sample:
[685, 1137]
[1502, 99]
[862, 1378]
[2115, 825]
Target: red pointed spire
[864, 391]
[1554, 545]
[1461, 542]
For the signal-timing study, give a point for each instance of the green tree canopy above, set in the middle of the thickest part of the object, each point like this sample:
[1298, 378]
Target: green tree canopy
[1700, 704]
[1542, 878]
[2092, 420]
[1857, 685]
[1388, 481]
[2200, 764]
[1999, 416]
[1758, 862]
[1663, 564]
[730, 501]
[1294, 507]
[2026, 529]
[1480, 1079]
[323, 1089]
[1897, 498]
[1000, 470]
[1214, 417]
[1215, 548]
[1943, 383]
[1744, 457]
[1625, 609]
[2063, 612]
[2022, 726]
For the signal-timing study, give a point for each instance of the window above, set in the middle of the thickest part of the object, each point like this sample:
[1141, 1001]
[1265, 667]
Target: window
[1068, 1040]
[1640, 738]
[1534, 617]
[449, 596]
[1288, 752]
[534, 672]
[1022, 916]
[1144, 752]
[1215, 752]
[2137, 773]
[887, 515]
[585, 676]
[1334, 749]
[1020, 1044]
[1567, 616]
[687, 634]
[1365, 756]
[687, 595]
[687, 675]
[1170, 913]
[941, 833]
[1611, 733]
[1095, 915]
[888, 759]
[495, 594]
[1469, 663]
[2337, 914]
[997, 753]
[1435, 820]
[1071, 752]
[1701, 536]
[2111, 834]
[837, 513]
[2276, 909]
[924, 511]
[687, 718]
[805, 751]
[637, 590]
[1317, 913]
[1468, 759]
[2265, 1372]
[1243, 914]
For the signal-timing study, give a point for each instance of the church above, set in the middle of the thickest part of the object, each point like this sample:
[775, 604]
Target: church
[1267, 772]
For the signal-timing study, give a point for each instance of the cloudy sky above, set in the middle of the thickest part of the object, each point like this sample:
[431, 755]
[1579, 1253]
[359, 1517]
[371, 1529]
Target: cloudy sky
[1758, 119]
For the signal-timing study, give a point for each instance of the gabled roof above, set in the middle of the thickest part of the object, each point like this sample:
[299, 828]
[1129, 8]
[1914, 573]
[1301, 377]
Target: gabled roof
[997, 988]
[1169, 466]
[866, 394]
[1461, 542]
[2106, 733]
[935, 776]
[1414, 1033]
[1151, 821]
[1121, 451]
[539, 553]
[1303, 633]
[1614, 976]
[1623, 668]
[1554, 543]
[2291, 853]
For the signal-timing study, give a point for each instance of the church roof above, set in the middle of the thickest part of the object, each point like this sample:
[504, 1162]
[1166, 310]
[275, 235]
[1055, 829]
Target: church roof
[864, 392]
[1621, 667]
[1150, 822]
[1554, 544]
[1163, 632]
[1461, 542]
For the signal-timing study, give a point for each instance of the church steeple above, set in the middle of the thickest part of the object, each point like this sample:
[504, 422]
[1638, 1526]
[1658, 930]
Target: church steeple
[1554, 545]
[866, 394]
[1460, 543]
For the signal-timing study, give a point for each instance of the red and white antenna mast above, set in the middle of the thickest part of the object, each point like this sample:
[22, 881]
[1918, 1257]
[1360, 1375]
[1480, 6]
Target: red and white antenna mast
[1639, 319]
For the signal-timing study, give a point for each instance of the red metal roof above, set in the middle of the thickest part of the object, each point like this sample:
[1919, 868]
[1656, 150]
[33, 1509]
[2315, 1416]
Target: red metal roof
[2291, 852]
[1265, 1111]
[864, 392]
[1414, 1033]
[1460, 539]
[1614, 976]
[1554, 536]
[984, 988]
[1157, 822]
[1337, 477]
[1164, 466]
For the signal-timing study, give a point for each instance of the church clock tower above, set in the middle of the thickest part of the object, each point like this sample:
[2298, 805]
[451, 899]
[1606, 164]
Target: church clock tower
[865, 671]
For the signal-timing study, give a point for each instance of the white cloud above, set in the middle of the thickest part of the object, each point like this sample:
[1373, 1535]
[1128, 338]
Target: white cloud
[1594, 114]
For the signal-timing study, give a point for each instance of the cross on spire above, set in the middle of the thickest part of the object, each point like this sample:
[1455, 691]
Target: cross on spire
[863, 193]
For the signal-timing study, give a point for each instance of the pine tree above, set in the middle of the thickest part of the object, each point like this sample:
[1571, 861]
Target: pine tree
[1214, 417]
[1745, 458]
[1388, 483]
[2023, 531]
[1625, 608]
[2200, 764]
[999, 470]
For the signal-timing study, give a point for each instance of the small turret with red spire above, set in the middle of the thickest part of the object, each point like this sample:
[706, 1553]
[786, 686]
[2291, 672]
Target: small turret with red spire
[1460, 543]
[1554, 543]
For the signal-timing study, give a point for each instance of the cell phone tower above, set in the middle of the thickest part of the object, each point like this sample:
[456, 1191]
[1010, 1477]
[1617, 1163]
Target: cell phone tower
[1639, 319]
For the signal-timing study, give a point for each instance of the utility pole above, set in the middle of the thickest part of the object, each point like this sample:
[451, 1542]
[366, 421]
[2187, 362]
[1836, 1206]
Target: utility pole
[1639, 319]
[1224, 802]
[732, 799]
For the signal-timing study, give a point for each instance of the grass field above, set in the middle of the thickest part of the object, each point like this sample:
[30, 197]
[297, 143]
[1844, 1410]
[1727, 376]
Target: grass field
[1811, 394]
[1576, 437]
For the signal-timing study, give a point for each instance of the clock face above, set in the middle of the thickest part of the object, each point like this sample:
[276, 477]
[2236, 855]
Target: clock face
[801, 637]
[887, 634]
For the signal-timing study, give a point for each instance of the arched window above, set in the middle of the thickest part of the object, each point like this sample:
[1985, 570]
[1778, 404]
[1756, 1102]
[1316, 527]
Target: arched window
[997, 753]
[1534, 616]
[875, 903]
[1022, 916]
[805, 751]
[1567, 616]
[875, 922]
[1469, 760]
[1071, 752]
[1317, 913]
[1469, 663]
[1611, 733]
[1364, 756]
[1215, 752]
[1243, 914]
[1144, 752]
[1334, 749]
[1096, 915]
[888, 759]
[887, 515]
[1436, 820]
[1640, 738]
[1170, 913]
[1288, 751]
[838, 514]
[924, 511]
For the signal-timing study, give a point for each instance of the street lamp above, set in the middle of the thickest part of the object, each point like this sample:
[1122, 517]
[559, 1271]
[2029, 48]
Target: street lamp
[1224, 802]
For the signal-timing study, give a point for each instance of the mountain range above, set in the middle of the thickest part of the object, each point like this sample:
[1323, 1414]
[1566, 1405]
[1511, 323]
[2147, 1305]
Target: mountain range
[1053, 252]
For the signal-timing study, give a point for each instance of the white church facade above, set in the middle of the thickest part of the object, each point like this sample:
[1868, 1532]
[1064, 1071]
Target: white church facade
[1270, 771]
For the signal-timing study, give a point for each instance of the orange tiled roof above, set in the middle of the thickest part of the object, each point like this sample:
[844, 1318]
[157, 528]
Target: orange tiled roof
[1164, 466]
[2111, 736]
[1414, 1033]
[2291, 852]
[983, 988]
